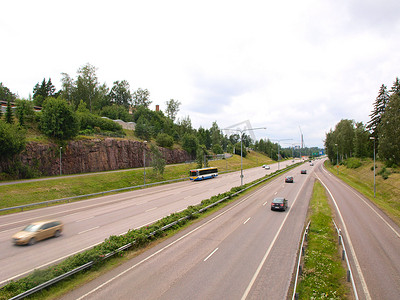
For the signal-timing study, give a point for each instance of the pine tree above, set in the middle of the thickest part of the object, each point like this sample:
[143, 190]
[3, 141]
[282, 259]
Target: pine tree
[9, 113]
[396, 87]
[379, 108]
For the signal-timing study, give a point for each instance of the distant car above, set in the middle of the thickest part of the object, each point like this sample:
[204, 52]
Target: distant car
[303, 171]
[311, 164]
[279, 204]
[289, 179]
[266, 167]
[38, 231]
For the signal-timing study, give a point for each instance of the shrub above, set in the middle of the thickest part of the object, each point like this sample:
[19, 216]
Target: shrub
[89, 121]
[353, 163]
[164, 140]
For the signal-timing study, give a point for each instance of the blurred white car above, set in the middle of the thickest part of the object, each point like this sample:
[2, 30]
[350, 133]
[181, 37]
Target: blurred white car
[266, 167]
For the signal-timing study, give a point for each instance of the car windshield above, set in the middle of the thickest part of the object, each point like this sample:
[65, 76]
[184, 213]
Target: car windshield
[31, 228]
[278, 200]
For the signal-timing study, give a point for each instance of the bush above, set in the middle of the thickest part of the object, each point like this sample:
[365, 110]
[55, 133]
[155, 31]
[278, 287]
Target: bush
[353, 163]
[89, 121]
[58, 120]
[164, 140]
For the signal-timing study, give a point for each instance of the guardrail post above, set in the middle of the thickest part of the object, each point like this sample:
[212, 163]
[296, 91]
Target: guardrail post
[300, 270]
[296, 296]
[348, 275]
[305, 236]
[343, 254]
[302, 251]
[340, 239]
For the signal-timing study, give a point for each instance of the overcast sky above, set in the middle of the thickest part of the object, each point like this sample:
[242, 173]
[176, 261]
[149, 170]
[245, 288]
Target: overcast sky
[283, 65]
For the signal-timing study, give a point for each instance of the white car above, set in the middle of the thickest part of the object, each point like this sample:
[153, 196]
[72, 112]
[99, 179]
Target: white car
[266, 167]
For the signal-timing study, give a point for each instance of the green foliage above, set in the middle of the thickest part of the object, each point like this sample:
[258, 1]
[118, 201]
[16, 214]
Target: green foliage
[24, 111]
[190, 143]
[384, 172]
[164, 140]
[217, 149]
[58, 120]
[172, 108]
[120, 94]
[12, 139]
[6, 94]
[141, 97]
[352, 163]
[116, 112]
[91, 122]
[389, 128]
[157, 161]
[9, 113]
[43, 91]
[143, 128]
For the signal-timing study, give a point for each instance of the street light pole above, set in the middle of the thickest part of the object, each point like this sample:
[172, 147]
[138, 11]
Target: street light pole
[60, 162]
[373, 138]
[144, 164]
[278, 149]
[241, 148]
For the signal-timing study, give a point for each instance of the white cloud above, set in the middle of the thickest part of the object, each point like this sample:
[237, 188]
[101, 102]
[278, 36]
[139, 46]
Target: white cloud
[281, 65]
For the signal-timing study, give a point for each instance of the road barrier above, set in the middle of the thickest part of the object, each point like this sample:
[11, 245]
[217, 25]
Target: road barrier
[345, 257]
[299, 266]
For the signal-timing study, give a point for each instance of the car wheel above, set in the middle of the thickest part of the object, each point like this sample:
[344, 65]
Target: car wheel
[32, 241]
[57, 233]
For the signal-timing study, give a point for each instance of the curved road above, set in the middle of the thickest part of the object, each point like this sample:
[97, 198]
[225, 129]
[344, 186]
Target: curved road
[371, 238]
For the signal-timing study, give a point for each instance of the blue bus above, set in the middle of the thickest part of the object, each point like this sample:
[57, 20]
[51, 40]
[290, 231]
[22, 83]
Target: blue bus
[204, 173]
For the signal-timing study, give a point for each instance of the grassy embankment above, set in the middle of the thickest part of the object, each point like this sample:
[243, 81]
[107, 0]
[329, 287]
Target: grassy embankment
[65, 186]
[362, 179]
[324, 276]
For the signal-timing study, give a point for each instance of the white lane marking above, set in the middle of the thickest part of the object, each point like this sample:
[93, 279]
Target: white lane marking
[162, 249]
[150, 209]
[276, 193]
[211, 254]
[363, 200]
[353, 253]
[265, 203]
[81, 220]
[247, 291]
[246, 221]
[89, 229]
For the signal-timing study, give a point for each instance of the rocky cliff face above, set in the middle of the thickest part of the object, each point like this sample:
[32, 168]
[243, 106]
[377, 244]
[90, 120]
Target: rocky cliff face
[92, 156]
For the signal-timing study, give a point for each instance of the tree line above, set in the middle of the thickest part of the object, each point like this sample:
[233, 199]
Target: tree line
[355, 139]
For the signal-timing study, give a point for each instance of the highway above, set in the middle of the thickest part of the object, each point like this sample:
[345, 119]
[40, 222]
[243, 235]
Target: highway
[371, 238]
[89, 222]
[243, 251]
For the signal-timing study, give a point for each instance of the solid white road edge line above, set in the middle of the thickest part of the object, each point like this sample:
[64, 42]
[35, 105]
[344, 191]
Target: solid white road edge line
[372, 208]
[353, 253]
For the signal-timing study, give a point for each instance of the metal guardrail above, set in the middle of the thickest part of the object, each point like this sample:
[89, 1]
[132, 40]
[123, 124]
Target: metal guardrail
[127, 246]
[345, 257]
[299, 268]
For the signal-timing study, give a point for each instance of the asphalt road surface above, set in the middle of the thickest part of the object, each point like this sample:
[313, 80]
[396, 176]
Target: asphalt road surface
[371, 238]
[244, 251]
[89, 222]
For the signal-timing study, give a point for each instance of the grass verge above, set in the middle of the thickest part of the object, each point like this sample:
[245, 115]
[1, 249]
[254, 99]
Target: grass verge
[362, 179]
[323, 275]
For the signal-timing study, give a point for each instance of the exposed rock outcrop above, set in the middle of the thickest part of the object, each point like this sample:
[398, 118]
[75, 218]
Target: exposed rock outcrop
[92, 155]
